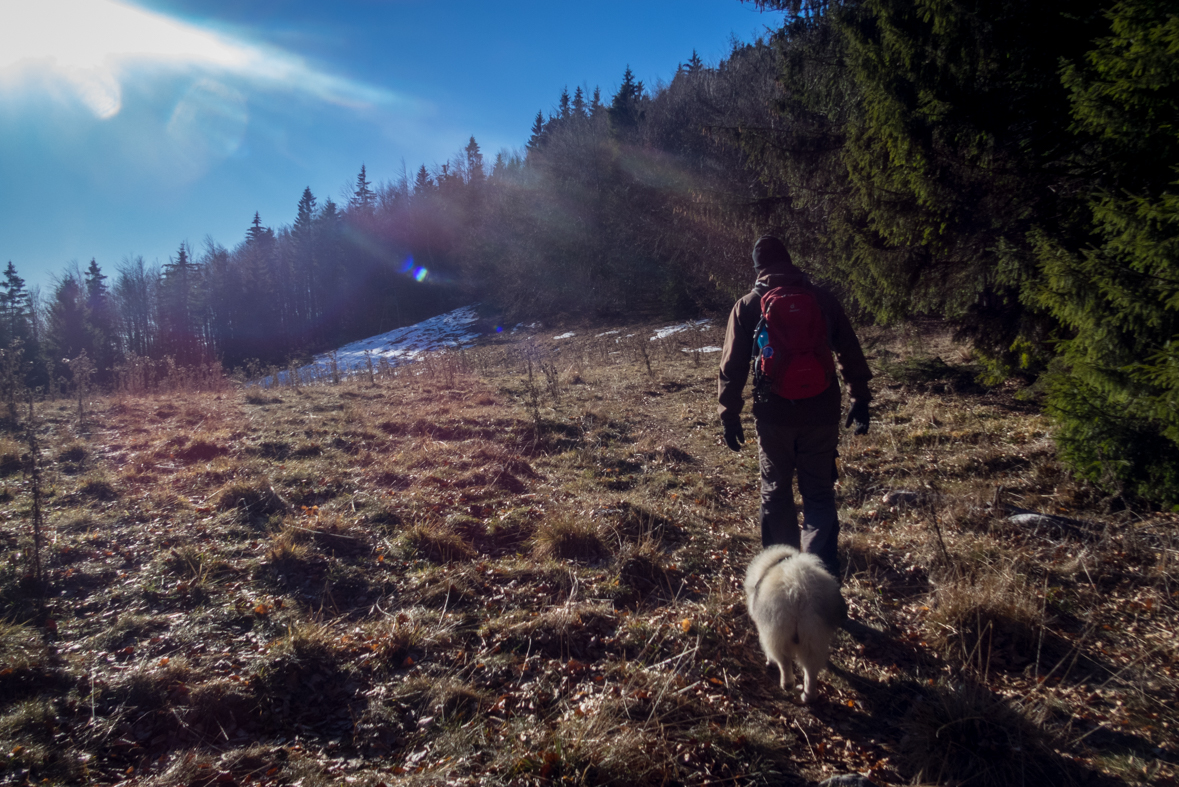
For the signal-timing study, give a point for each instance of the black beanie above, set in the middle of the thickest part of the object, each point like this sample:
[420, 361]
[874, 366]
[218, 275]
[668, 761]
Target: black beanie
[769, 252]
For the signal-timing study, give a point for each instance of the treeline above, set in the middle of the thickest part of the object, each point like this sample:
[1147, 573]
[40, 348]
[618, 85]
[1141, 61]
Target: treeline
[334, 275]
[612, 208]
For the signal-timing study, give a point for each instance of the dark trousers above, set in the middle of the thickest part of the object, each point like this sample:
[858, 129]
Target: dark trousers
[809, 452]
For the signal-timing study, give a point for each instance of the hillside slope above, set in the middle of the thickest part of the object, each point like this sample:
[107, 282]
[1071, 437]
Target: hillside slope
[521, 563]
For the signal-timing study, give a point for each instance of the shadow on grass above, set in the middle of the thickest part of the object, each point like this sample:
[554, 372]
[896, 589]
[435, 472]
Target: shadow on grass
[957, 732]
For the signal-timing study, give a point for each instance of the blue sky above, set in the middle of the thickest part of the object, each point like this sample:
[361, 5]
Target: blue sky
[127, 128]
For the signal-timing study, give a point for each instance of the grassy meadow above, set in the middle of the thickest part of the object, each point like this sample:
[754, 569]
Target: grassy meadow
[521, 564]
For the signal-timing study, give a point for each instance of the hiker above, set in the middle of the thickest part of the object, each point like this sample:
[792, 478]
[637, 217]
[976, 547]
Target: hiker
[797, 401]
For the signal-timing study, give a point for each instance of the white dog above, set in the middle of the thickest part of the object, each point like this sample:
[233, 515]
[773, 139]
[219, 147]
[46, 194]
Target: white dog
[796, 605]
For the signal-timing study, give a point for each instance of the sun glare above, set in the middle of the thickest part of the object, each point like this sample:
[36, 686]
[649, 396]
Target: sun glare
[90, 47]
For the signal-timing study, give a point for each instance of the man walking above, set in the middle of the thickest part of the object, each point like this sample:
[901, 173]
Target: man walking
[797, 400]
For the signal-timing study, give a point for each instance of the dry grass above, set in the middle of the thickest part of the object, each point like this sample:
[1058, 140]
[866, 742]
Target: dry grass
[453, 576]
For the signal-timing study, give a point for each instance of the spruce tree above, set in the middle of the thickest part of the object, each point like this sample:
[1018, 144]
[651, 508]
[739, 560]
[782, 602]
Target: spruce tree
[303, 262]
[596, 106]
[255, 234]
[423, 184]
[15, 309]
[1115, 391]
[180, 306]
[625, 109]
[102, 319]
[67, 327]
[329, 267]
[474, 165]
[304, 216]
[537, 138]
[363, 198]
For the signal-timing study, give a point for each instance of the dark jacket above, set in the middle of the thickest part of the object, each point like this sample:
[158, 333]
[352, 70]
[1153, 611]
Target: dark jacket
[738, 353]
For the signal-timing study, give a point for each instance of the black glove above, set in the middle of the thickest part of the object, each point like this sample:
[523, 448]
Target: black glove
[734, 436]
[858, 414]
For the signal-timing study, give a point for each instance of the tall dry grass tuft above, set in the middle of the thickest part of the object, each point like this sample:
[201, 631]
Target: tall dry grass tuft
[251, 500]
[438, 543]
[569, 537]
[643, 573]
[989, 618]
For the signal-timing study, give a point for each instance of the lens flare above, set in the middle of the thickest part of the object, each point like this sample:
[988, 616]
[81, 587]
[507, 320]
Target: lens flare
[407, 266]
[209, 124]
[420, 274]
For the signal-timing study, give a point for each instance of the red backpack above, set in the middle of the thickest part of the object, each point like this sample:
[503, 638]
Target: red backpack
[794, 358]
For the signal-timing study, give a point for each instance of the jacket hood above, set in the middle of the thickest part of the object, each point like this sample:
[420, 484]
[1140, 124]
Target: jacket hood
[770, 254]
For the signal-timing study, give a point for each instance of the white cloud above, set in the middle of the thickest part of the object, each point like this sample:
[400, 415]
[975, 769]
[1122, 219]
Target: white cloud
[92, 47]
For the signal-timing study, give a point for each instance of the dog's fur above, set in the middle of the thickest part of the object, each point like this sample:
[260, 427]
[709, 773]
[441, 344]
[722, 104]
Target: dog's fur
[796, 605]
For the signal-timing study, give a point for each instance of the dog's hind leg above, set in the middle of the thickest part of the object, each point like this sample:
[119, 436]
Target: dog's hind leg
[810, 684]
[785, 673]
[812, 661]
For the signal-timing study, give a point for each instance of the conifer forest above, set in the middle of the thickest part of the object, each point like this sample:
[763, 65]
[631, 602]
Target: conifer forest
[1007, 167]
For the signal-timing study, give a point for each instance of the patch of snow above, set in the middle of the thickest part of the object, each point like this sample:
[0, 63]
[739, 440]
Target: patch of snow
[708, 349]
[452, 330]
[663, 333]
